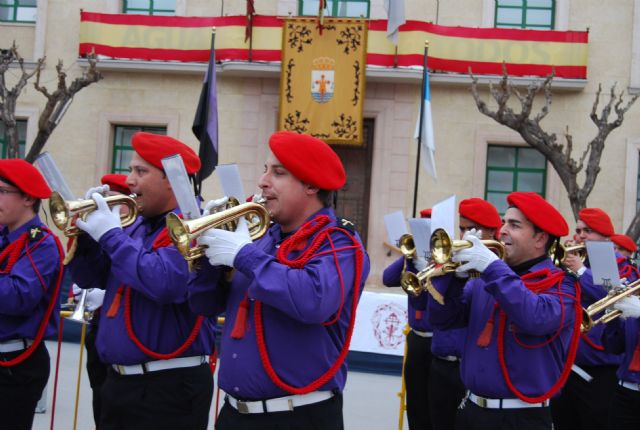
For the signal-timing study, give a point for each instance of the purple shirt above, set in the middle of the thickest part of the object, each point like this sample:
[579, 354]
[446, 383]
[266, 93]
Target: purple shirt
[160, 314]
[391, 278]
[587, 355]
[295, 304]
[532, 317]
[23, 298]
[622, 336]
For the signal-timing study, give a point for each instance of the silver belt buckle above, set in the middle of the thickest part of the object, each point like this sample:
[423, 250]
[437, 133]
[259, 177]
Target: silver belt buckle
[120, 369]
[242, 407]
[482, 402]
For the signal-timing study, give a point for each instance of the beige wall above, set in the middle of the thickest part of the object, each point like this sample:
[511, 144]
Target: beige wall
[248, 109]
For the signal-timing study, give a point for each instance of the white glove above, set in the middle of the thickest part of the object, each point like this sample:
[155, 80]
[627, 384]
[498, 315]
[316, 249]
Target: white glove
[102, 190]
[630, 307]
[101, 220]
[223, 246]
[94, 299]
[420, 263]
[214, 204]
[477, 257]
[473, 232]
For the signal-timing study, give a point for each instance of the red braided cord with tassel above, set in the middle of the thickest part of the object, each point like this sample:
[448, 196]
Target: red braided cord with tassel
[301, 235]
[573, 348]
[161, 241]
[13, 252]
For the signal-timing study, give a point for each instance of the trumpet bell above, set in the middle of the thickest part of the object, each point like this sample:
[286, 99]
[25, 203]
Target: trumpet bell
[558, 252]
[79, 313]
[443, 247]
[605, 304]
[407, 245]
[63, 212]
[183, 233]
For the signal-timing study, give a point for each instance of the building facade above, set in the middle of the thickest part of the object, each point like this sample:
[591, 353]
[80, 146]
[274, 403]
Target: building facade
[474, 155]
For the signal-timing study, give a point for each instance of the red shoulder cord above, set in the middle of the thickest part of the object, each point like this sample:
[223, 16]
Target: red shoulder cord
[293, 243]
[161, 241]
[548, 280]
[11, 254]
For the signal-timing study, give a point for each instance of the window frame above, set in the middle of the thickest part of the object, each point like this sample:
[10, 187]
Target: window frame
[515, 170]
[116, 146]
[15, 7]
[146, 11]
[22, 143]
[524, 8]
[334, 8]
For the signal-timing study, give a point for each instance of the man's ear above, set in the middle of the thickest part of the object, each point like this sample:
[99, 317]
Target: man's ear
[310, 189]
[28, 201]
[541, 239]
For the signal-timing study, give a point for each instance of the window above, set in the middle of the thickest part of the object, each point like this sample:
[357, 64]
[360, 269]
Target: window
[22, 138]
[122, 150]
[342, 8]
[535, 14]
[149, 7]
[513, 169]
[18, 10]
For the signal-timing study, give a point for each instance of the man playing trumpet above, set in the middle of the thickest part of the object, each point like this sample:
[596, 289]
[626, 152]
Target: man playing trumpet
[159, 377]
[30, 274]
[520, 315]
[290, 305]
[584, 402]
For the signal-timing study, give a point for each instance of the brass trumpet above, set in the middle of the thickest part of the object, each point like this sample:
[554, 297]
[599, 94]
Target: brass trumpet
[64, 212]
[605, 304]
[442, 247]
[184, 232]
[558, 252]
[416, 283]
[407, 246]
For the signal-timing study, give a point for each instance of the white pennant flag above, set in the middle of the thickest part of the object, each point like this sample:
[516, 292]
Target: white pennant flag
[395, 18]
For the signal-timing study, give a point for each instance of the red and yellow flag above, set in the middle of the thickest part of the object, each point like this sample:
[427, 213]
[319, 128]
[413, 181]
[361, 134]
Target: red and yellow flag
[451, 49]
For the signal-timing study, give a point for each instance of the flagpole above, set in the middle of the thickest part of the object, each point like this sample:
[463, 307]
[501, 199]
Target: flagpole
[424, 82]
[211, 70]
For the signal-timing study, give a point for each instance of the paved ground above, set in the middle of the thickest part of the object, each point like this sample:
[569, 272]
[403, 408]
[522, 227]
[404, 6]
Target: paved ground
[370, 401]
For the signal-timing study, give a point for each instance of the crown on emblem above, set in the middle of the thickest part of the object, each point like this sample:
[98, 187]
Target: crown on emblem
[324, 63]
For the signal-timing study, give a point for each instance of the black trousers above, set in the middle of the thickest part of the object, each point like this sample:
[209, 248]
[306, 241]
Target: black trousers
[163, 400]
[416, 379]
[21, 387]
[446, 391]
[96, 370]
[585, 405]
[625, 410]
[325, 415]
[473, 417]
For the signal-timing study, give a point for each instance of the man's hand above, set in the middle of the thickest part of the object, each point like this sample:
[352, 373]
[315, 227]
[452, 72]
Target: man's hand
[573, 262]
[223, 246]
[102, 190]
[477, 257]
[101, 220]
[213, 206]
[630, 307]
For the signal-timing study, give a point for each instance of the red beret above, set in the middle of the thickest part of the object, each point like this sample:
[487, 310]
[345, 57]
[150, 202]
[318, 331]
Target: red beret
[309, 159]
[116, 182]
[481, 212]
[624, 241]
[154, 147]
[539, 212]
[597, 220]
[25, 177]
[425, 213]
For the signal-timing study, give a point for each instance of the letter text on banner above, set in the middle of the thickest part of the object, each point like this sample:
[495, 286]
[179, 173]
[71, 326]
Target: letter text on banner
[322, 81]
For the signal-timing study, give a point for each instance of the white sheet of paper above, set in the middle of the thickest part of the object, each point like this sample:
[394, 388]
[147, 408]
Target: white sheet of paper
[396, 226]
[229, 176]
[443, 216]
[603, 264]
[421, 231]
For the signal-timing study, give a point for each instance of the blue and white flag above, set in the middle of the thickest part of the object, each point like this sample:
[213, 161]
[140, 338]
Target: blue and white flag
[424, 129]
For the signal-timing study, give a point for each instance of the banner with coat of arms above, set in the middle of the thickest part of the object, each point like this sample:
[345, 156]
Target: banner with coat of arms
[323, 77]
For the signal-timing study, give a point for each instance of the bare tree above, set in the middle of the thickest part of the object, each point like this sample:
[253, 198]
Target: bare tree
[57, 103]
[527, 124]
